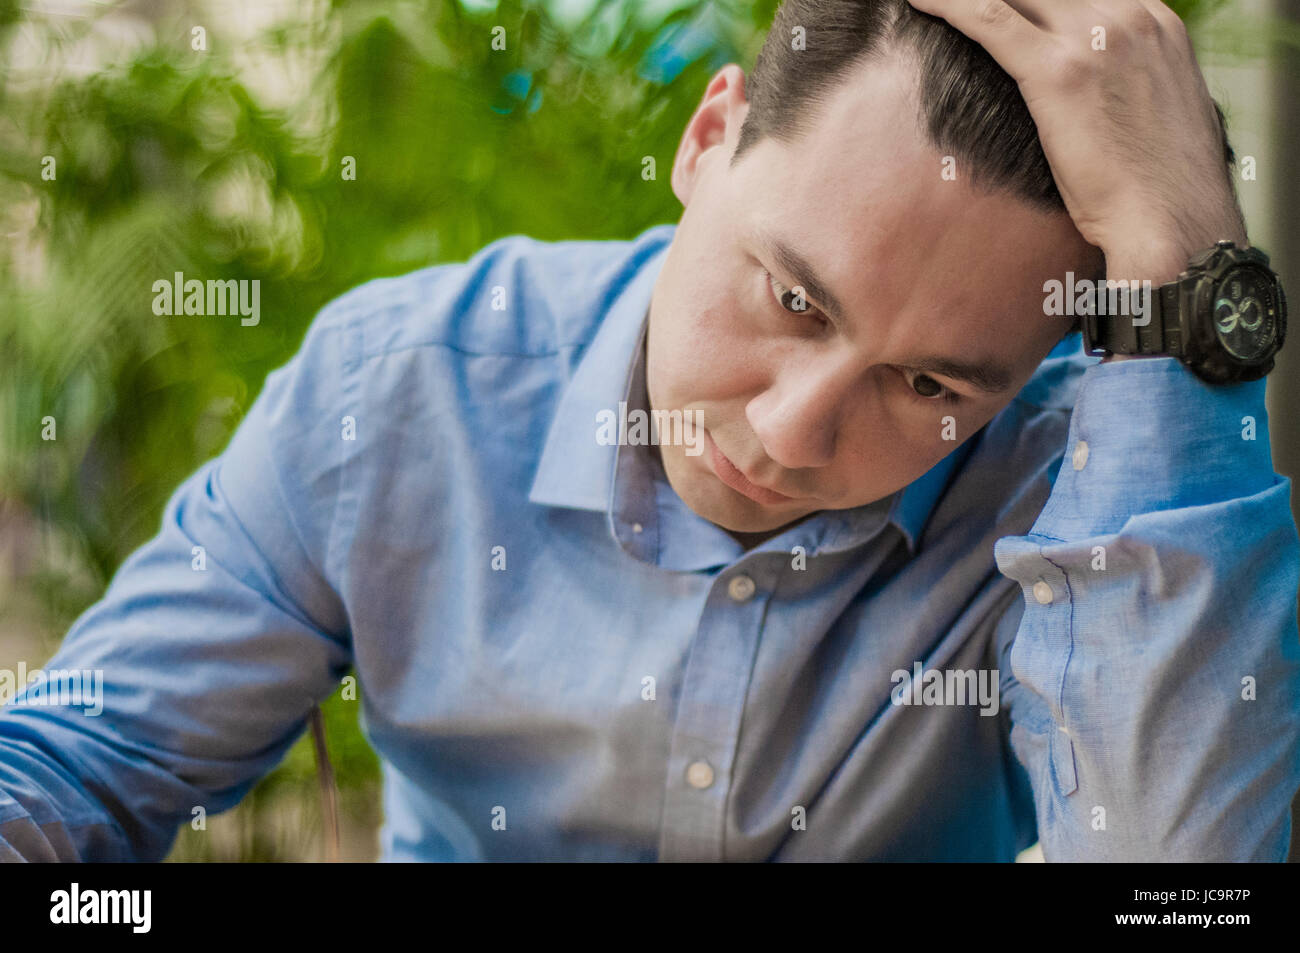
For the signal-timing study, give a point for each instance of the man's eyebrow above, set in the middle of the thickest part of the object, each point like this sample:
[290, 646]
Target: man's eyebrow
[990, 378]
[804, 275]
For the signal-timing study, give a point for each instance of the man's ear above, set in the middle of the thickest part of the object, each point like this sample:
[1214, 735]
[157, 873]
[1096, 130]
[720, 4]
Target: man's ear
[715, 126]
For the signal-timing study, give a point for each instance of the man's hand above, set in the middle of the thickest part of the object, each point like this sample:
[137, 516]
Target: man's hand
[1130, 130]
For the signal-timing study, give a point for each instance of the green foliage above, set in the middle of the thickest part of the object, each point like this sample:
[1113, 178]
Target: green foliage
[170, 162]
[172, 159]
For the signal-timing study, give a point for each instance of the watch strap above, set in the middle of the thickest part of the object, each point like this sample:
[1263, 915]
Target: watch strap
[1160, 335]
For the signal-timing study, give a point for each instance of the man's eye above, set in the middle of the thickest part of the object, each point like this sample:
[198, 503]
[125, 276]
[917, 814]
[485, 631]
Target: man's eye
[793, 301]
[926, 388]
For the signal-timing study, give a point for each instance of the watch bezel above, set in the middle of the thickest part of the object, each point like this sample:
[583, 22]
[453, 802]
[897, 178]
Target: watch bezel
[1204, 352]
[1263, 279]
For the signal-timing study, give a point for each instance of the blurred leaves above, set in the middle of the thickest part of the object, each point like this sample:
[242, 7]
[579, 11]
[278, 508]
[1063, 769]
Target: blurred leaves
[171, 161]
[227, 163]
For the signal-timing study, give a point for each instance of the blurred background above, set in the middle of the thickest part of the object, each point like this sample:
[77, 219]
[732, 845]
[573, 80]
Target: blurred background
[138, 139]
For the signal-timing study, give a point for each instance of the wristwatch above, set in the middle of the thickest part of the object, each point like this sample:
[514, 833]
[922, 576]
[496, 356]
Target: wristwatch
[1224, 318]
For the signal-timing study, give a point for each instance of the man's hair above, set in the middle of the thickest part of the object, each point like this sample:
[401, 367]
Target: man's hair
[971, 108]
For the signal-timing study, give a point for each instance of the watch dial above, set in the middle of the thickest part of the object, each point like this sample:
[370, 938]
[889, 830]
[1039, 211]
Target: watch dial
[1245, 317]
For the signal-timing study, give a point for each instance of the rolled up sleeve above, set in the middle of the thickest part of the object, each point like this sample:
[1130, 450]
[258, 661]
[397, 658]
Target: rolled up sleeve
[1155, 670]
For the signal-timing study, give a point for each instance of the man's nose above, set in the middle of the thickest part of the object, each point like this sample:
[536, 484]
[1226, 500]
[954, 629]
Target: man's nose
[797, 418]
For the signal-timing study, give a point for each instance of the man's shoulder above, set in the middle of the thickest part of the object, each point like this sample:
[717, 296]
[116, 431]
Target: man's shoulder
[516, 296]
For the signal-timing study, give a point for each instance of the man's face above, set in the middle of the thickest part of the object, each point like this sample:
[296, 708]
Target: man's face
[908, 274]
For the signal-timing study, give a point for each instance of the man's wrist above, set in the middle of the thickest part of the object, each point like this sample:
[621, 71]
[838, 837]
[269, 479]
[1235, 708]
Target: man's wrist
[1156, 263]
[1161, 262]
[1129, 357]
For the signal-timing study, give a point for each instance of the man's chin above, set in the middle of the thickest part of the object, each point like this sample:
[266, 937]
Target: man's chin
[724, 507]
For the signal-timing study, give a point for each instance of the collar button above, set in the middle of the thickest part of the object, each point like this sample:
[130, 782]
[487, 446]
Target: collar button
[741, 588]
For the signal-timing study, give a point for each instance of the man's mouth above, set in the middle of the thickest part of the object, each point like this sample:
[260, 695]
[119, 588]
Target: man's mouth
[730, 474]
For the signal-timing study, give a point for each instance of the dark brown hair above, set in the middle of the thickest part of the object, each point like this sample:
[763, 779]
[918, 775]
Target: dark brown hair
[972, 109]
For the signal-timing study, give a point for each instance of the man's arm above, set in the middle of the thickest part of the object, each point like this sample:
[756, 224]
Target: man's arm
[1154, 686]
[214, 640]
[1158, 696]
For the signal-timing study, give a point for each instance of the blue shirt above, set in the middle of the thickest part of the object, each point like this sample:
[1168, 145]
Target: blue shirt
[558, 660]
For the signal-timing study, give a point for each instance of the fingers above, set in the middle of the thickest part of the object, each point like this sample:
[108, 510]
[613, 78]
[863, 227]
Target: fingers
[1163, 14]
[995, 25]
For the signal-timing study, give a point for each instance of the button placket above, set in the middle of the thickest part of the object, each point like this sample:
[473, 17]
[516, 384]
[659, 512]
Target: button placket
[699, 774]
[1052, 593]
[708, 719]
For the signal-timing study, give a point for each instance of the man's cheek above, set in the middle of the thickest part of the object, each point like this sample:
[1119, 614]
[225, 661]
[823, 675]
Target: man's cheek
[714, 321]
[725, 335]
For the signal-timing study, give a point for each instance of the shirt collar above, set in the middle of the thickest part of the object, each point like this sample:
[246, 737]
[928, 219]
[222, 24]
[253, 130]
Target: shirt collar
[915, 502]
[576, 471]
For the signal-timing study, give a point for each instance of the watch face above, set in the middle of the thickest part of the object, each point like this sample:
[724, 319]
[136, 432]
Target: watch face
[1245, 313]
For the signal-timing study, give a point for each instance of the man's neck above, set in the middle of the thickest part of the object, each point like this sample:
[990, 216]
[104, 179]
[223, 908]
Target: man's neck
[751, 540]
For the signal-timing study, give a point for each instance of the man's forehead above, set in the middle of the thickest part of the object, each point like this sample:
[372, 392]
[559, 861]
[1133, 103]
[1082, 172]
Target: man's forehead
[906, 235]
[863, 183]
[845, 273]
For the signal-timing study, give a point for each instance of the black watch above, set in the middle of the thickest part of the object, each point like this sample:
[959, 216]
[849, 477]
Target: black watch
[1224, 317]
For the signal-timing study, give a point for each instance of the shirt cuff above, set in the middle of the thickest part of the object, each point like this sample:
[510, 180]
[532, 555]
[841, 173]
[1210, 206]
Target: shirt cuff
[1148, 435]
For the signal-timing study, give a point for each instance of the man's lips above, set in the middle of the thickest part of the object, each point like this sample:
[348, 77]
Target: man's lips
[727, 472]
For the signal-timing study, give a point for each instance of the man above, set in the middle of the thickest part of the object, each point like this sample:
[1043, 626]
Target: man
[863, 610]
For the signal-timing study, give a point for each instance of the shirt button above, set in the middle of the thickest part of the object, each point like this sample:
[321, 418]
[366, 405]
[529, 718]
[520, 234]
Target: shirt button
[1080, 458]
[1042, 592]
[740, 588]
[699, 774]
[637, 527]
